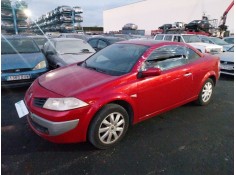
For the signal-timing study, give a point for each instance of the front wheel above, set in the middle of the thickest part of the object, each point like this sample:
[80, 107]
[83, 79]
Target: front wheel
[109, 126]
[205, 95]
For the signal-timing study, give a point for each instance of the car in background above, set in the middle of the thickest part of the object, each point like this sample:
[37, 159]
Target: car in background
[229, 39]
[101, 42]
[63, 51]
[215, 40]
[40, 39]
[130, 26]
[125, 36]
[198, 25]
[73, 35]
[227, 62]
[21, 61]
[121, 85]
[193, 40]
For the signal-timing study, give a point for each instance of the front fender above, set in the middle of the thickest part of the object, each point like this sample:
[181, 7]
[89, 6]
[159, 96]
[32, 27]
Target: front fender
[209, 74]
[99, 104]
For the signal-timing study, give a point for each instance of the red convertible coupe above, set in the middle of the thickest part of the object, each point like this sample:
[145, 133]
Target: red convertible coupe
[121, 85]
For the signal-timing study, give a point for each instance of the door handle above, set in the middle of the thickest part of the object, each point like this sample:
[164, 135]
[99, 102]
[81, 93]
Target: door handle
[187, 74]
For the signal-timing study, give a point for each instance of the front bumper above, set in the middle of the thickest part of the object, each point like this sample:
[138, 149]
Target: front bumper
[51, 128]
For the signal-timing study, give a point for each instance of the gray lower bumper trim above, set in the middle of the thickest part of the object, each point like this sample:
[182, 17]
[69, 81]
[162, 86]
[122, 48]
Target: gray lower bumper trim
[55, 128]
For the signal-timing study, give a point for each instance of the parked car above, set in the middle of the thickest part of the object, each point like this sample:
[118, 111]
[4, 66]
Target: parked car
[130, 26]
[165, 26]
[227, 62]
[229, 39]
[125, 36]
[21, 61]
[198, 25]
[78, 9]
[8, 25]
[121, 85]
[63, 51]
[64, 9]
[101, 42]
[40, 40]
[215, 40]
[193, 40]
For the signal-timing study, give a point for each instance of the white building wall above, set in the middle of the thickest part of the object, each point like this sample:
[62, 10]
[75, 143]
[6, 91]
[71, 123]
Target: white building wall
[150, 14]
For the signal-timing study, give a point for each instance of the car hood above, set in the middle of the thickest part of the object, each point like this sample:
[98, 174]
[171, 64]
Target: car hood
[72, 80]
[19, 61]
[206, 45]
[226, 56]
[75, 58]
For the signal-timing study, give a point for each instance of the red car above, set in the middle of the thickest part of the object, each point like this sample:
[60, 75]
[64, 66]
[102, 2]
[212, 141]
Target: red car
[121, 85]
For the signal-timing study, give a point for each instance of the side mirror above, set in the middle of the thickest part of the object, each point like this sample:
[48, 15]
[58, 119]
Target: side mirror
[150, 72]
[49, 52]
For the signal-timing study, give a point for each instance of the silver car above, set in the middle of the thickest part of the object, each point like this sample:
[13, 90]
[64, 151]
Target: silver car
[227, 62]
[63, 51]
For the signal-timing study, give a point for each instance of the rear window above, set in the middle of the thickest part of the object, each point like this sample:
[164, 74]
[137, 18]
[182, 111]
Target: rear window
[18, 45]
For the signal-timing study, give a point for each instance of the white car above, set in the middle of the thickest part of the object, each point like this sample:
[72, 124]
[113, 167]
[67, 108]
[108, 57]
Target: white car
[192, 40]
[227, 62]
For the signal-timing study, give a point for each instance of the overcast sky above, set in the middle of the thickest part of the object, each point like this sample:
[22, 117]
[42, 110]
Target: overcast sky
[93, 9]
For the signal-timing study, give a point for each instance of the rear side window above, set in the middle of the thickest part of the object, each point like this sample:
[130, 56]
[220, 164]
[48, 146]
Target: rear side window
[178, 39]
[168, 38]
[166, 57]
[93, 42]
[159, 37]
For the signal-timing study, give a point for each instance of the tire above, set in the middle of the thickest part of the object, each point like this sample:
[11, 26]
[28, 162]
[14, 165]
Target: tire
[206, 92]
[108, 126]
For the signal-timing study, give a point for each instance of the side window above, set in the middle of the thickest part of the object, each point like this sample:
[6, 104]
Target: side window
[101, 44]
[166, 57]
[93, 42]
[159, 37]
[45, 46]
[178, 39]
[51, 47]
[192, 55]
[168, 38]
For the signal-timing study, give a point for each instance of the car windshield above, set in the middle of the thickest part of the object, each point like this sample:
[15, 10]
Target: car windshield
[218, 41]
[196, 21]
[231, 49]
[191, 38]
[40, 41]
[18, 45]
[116, 59]
[73, 47]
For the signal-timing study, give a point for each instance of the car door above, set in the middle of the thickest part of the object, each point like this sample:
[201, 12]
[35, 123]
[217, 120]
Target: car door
[172, 87]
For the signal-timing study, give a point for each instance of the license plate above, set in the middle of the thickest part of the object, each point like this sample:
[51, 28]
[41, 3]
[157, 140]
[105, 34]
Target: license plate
[21, 109]
[226, 67]
[18, 77]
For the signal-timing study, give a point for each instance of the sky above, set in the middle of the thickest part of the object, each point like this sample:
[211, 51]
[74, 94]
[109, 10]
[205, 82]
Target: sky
[93, 9]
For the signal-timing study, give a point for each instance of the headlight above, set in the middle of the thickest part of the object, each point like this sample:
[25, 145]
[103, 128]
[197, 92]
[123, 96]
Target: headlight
[63, 104]
[41, 65]
[207, 50]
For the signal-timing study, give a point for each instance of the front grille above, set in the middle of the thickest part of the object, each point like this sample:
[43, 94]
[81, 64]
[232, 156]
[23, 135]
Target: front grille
[39, 102]
[227, 62]
[228, 71]
[17, 70]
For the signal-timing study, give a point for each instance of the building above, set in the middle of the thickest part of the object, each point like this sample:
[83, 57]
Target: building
[150, 14]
